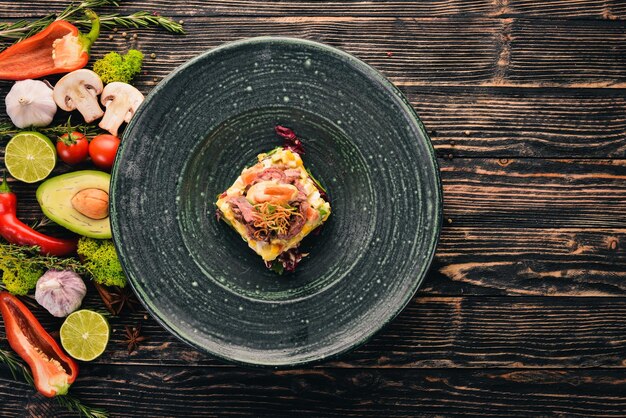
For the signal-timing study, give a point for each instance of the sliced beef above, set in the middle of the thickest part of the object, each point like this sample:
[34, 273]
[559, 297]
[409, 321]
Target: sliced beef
[241, 205]
[301, 196]
[292, 175]
[271, 173]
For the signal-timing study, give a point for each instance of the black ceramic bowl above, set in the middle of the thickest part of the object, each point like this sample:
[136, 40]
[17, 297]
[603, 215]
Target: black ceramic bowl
[189, 141]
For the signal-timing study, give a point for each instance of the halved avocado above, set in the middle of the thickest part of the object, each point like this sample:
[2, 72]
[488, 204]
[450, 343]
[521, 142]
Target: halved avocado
[68, 199]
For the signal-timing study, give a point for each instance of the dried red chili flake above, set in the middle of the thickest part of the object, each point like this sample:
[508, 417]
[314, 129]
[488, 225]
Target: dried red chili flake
[291, 141]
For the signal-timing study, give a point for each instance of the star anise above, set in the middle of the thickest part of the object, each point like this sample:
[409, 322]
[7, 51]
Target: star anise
[133, 337]
[116, 299]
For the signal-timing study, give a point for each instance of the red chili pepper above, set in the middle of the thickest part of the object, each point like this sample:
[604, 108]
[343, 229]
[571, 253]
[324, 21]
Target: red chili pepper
[53, 371]
[17, 232]
[60, 48]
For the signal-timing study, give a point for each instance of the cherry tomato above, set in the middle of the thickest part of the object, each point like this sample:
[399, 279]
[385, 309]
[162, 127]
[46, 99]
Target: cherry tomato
[102, 150]
[72, 150]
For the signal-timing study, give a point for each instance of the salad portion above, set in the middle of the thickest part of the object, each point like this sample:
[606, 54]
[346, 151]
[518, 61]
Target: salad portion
[274, 205]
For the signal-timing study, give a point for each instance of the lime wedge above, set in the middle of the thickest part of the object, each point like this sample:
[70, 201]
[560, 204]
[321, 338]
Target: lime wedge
[30, 157]
[85, 334]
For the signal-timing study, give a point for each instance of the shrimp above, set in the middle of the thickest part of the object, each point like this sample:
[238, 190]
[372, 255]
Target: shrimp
[272, 192]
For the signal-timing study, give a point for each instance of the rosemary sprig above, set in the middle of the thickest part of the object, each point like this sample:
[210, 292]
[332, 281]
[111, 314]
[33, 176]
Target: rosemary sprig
[74, 13]
[137, 20]
[68, 401]
[24, 28]
[15, 367]
[7, 129]
[73, 404]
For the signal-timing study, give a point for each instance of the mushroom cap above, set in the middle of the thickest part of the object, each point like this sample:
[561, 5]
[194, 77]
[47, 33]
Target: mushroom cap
[76, 86]
[117, 90]
[121, 100]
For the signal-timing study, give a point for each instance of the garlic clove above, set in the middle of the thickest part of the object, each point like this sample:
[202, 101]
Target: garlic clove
[30, 103]
[60, 292]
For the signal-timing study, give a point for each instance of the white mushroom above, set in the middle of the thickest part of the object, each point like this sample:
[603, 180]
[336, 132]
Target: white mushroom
[121, 101]
[78, 90]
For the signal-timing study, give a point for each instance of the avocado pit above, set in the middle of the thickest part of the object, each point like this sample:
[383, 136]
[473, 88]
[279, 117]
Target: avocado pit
[93, 203]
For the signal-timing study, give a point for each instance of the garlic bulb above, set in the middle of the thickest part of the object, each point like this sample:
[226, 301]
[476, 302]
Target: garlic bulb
[60, 292]
[30, 103]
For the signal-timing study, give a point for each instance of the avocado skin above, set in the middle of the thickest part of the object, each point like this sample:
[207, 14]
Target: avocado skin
[55, 195]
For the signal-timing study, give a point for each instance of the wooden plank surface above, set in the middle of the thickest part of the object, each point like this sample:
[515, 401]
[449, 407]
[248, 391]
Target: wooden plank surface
[528, 261]
[523, 310]
[434, 333]
[582, 9]
[426, 52]
[523, 122]
[534, 192]
[208, 392]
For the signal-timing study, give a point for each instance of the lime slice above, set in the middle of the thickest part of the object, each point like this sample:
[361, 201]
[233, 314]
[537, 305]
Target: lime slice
[30, 157]
[85, 334]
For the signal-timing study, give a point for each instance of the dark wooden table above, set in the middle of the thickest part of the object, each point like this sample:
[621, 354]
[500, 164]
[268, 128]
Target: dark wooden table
[524, 310]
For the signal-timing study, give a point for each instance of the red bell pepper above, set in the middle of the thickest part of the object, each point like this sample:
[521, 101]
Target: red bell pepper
[59, 48]
[53, 370]
[17, 232]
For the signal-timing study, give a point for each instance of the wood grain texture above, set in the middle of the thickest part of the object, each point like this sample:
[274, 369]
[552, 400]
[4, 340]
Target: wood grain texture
[529, 261]
[208, 392]
[534, 193]
[425, 52]
[497, 81]
[583, 9]
[523, 122]
[433, 332]
[449, 52]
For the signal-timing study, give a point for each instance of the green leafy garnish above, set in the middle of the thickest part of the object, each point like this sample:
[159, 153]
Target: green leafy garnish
[115, 67]
[317, 183]
[101, 261]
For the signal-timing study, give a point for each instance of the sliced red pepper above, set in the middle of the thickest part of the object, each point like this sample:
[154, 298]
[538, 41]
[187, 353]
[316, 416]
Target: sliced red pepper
[53, 370]
[17, 232]
[60, 48]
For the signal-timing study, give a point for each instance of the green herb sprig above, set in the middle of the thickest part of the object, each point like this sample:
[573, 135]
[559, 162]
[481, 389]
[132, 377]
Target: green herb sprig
[7, 129]
[24, 28]
[21, 29]
[71, 403]
[11, 254]
[137, 20]
[16, 368]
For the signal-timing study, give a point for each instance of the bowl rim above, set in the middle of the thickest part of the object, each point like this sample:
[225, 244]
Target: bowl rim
[409, 111]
